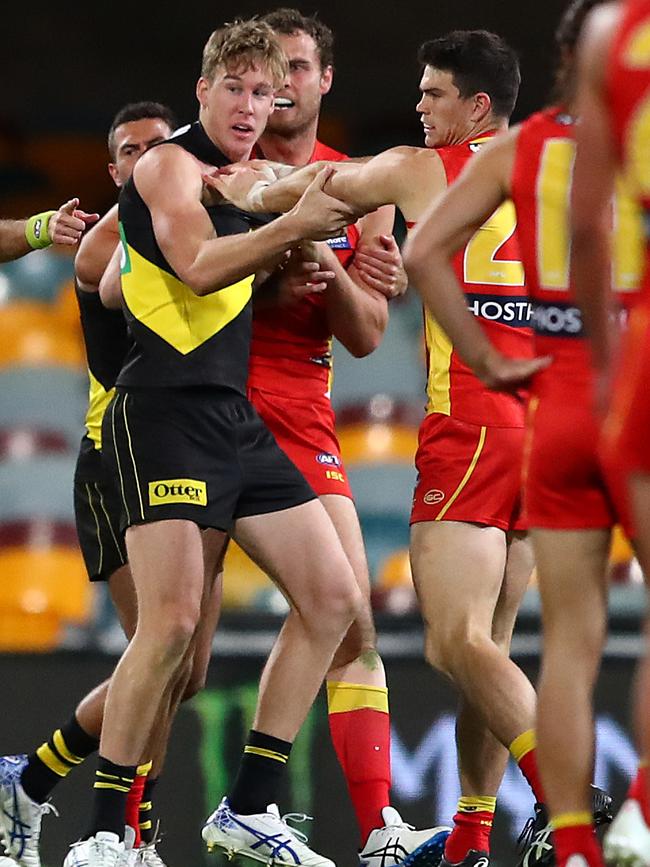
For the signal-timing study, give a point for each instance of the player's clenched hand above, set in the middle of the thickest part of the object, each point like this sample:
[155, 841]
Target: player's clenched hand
[504, 374]
[300, 277]
[320, 216]
[241, 186]
[380, 266]
[67, 225]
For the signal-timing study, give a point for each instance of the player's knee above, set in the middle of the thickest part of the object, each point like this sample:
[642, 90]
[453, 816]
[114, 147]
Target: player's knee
[336, 610]
[176, 629]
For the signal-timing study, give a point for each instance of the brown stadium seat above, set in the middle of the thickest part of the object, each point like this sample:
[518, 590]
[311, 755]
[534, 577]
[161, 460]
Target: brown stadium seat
[42, 589]
[31, 334]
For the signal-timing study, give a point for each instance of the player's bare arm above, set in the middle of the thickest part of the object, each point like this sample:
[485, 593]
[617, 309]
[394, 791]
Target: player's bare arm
[95, 251]
[357, 311]
[593, 187]
[63, 227]
[404, 176]
[169, 181]
[110, 283]
[446, 228]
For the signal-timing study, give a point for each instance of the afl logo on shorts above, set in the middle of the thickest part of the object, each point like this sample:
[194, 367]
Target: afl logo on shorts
[328, 460]
[433, 497]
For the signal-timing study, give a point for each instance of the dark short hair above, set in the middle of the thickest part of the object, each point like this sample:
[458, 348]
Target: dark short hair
[567, 35]
[479, 61]
[288, 22]
[568, 30]
[139, 111]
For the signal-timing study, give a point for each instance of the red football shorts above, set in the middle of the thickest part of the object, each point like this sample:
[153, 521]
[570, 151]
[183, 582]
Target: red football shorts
[568, 485]
[626, 433]
[468, 473]
[304, 430]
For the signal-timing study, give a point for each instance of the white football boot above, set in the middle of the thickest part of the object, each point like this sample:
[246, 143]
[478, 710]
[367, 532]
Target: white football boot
[104, 849]
[627, 840]
[390, 845]
[264, 837]
[20, 817]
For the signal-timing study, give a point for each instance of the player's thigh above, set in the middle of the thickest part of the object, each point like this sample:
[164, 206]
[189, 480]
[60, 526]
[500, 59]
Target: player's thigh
[458, 571]
[343, 515]
[300, 550]
[166, 560]
[519, 568]
[572, 577]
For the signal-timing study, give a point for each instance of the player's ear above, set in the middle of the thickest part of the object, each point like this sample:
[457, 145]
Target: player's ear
[114, 173]
[482, 106]
[326, 78]
[202, 87]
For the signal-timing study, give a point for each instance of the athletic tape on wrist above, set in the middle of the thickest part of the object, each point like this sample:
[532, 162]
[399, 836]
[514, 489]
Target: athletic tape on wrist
[254, 198]
[36, 230]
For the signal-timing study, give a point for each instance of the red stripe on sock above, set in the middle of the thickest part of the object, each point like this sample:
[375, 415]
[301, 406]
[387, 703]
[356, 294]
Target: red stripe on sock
[133, 801]
[638, 791]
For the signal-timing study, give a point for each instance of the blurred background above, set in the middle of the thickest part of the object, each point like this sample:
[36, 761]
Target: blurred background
[67, 70]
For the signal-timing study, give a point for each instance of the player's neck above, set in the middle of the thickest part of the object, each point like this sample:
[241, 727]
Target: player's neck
[293, 150]
[489, 126]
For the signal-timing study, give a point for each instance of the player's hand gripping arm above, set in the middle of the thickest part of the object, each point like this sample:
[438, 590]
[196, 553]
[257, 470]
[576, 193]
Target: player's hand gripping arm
[593, 188]
[445, 229]
[366, 186]
[357, 306]
[169, 181]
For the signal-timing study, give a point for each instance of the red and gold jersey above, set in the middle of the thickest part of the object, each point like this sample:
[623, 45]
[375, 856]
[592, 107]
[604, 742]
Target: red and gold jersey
[628, 93]
[291, 346]
[490, 271]
[541, 192]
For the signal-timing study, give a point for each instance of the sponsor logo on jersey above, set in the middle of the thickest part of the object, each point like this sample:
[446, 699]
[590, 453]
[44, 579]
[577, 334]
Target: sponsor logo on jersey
[557, 320]
[178, 491]
[432, 497]
[515, 311]
[340, 243]
[328, 459]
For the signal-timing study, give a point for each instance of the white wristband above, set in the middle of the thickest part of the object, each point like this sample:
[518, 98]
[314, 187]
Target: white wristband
[254, 198]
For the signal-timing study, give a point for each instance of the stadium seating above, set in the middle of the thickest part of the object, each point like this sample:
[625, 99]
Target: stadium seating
[46, 400]
[37, 277]
[31, 334]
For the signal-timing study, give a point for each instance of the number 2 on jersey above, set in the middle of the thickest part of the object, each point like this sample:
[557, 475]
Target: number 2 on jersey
[481, 264]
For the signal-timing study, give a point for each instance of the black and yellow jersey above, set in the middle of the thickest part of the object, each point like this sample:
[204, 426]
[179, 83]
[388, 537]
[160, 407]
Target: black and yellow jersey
[106, 338]
[178, 338]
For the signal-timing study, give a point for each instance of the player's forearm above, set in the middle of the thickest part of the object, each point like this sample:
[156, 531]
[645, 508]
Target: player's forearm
[13, 241]
[220, 262]
[435, 280]
[357, 315]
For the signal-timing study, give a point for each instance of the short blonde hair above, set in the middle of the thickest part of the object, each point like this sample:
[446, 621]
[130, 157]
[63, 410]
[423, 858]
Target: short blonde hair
[241, 45]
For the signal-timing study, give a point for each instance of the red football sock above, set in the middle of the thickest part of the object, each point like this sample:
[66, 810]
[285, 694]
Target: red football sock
[134, 799]
[577, 840]
[524, 751]
[360, 730]
[638, 791]
[472, 827]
